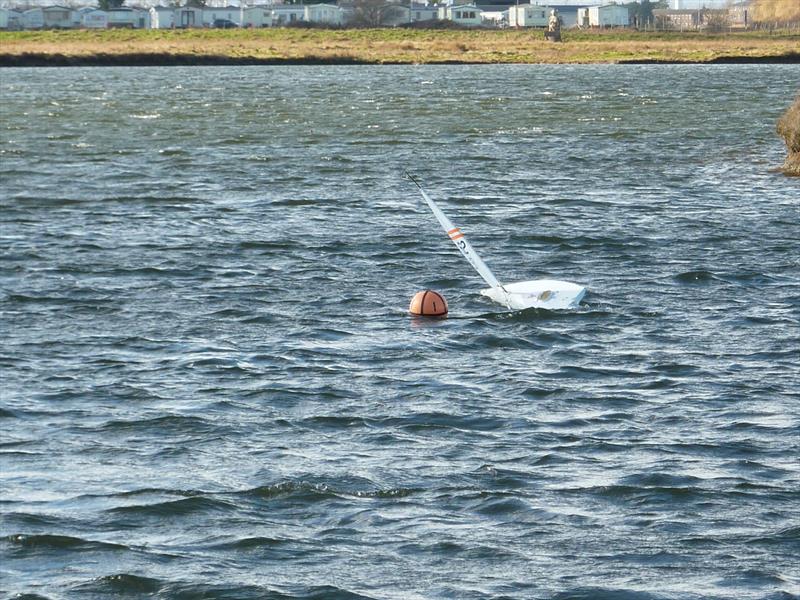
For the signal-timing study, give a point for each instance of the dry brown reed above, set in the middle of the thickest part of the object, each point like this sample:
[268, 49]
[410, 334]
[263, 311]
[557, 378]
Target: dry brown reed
[397, 46]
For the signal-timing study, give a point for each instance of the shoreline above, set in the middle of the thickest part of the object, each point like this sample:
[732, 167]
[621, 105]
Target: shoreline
[181, 60]
[294, 46]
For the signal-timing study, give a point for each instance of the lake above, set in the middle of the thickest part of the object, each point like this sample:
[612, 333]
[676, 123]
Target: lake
[211, 386]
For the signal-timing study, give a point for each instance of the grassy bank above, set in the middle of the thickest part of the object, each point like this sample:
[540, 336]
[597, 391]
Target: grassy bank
[391, 46]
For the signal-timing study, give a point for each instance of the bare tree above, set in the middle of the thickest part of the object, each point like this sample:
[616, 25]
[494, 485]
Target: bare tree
[372, 13]
[717, 21]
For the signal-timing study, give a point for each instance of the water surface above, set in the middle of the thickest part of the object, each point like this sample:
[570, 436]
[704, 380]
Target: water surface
[211, 387]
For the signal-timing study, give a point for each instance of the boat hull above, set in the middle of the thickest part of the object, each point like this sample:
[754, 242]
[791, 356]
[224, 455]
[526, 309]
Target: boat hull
[550, 294]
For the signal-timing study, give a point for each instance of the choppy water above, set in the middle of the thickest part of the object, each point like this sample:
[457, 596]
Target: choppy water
[211, 388]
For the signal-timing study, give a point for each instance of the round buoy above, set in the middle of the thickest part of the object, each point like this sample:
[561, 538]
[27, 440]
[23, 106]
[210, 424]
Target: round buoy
[428, 304]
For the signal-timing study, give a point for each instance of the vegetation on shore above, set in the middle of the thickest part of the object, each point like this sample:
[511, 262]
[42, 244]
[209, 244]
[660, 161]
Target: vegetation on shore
[774, 11]
[387, 46]
[789, 129]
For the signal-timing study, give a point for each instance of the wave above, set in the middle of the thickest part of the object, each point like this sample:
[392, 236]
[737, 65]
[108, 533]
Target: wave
[251, 543]
[311, 490]
[413, 422]
[644, 495]
[122, 583]
[597, 593]
[126, 584]
[187, 591]
[61, 300]
[181, 507]
[696, 277]
[452, 550]
[786, 536]
[660, 480]
[162, 425]
[37, 543]
[502, 507]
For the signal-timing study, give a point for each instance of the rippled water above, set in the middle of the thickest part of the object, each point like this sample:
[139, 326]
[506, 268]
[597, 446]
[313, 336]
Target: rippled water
[211, 387]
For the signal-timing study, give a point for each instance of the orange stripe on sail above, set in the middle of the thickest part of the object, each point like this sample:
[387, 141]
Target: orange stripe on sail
[458, 236]
[455, 234]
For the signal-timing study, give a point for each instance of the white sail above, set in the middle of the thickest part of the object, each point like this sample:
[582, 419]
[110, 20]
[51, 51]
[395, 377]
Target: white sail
[454, 233]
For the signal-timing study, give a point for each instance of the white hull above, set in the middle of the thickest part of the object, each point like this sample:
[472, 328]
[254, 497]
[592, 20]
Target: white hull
[549, 294]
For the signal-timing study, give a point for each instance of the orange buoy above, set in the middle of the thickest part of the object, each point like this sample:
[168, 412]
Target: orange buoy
[428, 304]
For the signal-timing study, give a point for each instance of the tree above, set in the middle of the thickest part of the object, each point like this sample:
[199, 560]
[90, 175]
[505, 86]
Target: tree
[645, 12]
[196, 3]
[717, 21]
[372, 13]
[107, 4]
[641, 13]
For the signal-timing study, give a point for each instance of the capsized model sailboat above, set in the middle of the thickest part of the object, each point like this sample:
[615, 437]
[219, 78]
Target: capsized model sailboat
[550, 294]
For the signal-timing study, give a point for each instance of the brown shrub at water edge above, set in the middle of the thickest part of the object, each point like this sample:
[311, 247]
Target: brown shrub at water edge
[789, 129]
